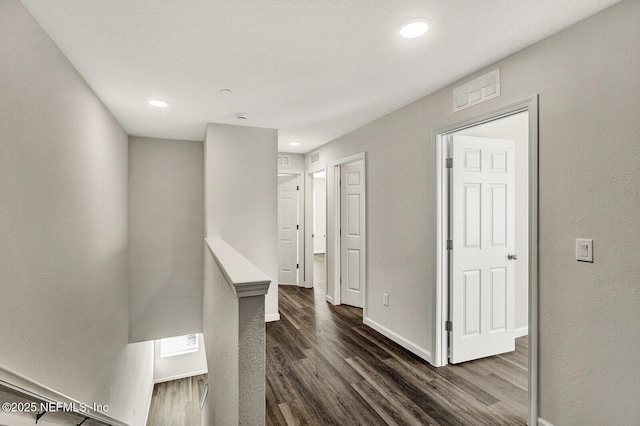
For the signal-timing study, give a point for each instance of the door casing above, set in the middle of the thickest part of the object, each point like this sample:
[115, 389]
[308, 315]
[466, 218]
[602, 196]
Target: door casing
[441, 302]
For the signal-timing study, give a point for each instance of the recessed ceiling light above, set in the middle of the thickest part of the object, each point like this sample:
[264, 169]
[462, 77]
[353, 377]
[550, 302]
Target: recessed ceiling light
[414, 28]
[226, 91]
[242, 116]
[158, 104]
[294, 143]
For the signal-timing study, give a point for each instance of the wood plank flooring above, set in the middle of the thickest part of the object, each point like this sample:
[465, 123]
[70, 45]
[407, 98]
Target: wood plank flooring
[177, 402]
[324, 367]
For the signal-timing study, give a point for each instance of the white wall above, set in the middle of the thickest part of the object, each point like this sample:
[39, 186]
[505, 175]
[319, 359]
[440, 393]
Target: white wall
[64, 315]
[320, 215]
[297, 161]
[179, 366]
[588, 85]
[516, 128]
[166, 229]
[241, 196]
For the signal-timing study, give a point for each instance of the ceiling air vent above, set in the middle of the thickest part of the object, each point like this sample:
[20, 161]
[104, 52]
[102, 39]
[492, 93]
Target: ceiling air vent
[284, 160]
[315, 157]
[477, 91]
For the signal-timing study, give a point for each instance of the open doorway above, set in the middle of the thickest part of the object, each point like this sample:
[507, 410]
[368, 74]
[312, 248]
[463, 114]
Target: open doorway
[486, 288]
[319, 230]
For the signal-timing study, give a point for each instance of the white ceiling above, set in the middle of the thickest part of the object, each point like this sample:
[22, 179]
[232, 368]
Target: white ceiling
[313, 69]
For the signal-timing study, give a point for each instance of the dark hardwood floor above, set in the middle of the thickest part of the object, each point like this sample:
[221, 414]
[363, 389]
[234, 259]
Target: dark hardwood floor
[324, 367]
[177, 402]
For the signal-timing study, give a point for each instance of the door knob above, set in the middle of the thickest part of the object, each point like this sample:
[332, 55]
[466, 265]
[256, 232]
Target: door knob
[512, 256]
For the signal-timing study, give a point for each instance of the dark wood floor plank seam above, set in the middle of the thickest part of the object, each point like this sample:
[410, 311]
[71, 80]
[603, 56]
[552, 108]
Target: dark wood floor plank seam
[394, 396]
[342, 372]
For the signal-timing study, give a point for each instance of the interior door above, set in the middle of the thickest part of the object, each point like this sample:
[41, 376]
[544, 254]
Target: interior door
[482, 267]
[288, 229]
[352, 257]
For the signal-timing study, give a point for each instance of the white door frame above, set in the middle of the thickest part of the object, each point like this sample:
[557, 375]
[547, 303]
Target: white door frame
[441, 302]
[334, 254]
[309, 219]
[301, 216]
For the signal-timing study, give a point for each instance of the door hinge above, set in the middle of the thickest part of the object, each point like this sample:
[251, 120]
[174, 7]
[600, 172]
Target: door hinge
[297, 226]
[297, 266]
[298, 188]
[448, 326]
[449, 244]
[449, 163]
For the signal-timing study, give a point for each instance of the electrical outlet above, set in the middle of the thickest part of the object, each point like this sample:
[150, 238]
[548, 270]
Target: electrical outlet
[385, 299]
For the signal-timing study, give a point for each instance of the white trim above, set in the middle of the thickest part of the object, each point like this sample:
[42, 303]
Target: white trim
[543, 422]
[244, 278]
[407, 344]
[329, 299]
[24, 385]
[301, 217]
[521, 331]
[179, 376]
[334, 256]
[272, 317]
[441, 298]
[440, 312]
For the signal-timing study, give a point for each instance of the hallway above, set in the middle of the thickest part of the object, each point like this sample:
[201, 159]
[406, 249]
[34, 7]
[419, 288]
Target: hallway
[325, 367]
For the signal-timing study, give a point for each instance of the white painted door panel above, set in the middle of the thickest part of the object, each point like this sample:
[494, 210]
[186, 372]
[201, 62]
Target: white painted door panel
[482, 287]
[351, 234]
[287, 229]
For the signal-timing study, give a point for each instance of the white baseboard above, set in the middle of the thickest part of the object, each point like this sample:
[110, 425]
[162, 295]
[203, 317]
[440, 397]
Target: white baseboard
[179, 376]
[418, 350]
[329, 299]
[272, 317]
[543, 422]
[319, 252]
[522, 331]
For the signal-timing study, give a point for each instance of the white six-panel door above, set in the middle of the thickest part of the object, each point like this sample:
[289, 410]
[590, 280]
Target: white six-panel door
[352, 210]
[482, 287]
[287, 229]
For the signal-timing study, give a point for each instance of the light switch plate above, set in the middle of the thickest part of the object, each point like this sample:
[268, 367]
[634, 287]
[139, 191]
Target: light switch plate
[584, 250]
